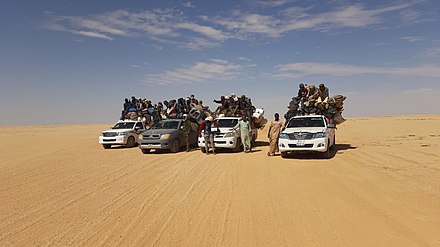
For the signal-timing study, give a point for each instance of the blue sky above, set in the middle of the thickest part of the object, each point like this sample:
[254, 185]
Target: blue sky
[75, 61]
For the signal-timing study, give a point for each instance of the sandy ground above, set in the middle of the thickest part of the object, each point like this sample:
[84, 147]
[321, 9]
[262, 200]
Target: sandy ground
[59, 187]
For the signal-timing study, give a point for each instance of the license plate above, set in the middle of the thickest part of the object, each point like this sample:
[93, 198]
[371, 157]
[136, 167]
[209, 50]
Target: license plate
[300, 143]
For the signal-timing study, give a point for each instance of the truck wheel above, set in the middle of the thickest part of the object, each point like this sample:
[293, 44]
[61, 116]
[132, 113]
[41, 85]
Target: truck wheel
[284, 154]
[334, 143]
[238, 146]
[106, 146]
[327, 153]
[130, 142]
[145, 151]
[175, 146]
[203, 149]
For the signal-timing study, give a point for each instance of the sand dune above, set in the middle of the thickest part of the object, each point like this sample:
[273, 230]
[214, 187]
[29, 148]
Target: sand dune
[59, 187]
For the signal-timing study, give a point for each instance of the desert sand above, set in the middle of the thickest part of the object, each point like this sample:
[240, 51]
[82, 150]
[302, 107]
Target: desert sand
[59, 187]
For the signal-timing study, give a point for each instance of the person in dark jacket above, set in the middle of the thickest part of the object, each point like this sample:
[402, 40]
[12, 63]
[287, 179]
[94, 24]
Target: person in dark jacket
[323, 92]
[186, 130]
[125, 109]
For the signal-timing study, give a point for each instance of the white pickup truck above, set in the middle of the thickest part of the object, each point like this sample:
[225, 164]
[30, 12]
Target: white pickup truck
[125, 133]
[227, 137]
[310, 133]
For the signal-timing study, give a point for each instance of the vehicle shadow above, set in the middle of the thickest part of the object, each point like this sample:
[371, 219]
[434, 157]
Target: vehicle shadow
[341, 147]
[122, 147]
[261, 144]
[336, 149]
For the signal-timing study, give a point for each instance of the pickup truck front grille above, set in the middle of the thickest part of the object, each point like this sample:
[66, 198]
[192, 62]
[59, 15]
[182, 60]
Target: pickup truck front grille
[301, 136]
[299, 146]
[109, 134]
[153, 136]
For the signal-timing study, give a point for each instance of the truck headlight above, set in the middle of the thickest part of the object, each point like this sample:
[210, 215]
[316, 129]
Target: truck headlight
[284, 136]
[320, 135]
[165, 136]
[230, 134]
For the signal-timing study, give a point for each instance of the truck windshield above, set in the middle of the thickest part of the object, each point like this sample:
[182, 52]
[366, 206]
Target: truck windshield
[123, 126]
[166, 125]
[306, 122]
[227, 123]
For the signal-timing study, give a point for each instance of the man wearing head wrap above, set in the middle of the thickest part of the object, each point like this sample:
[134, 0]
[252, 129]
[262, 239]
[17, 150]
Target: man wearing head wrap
[323, 92]
[273, 134]
[302, 96]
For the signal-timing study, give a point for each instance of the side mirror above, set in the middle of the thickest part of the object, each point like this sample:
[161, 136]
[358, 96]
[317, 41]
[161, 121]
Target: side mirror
[181, 127]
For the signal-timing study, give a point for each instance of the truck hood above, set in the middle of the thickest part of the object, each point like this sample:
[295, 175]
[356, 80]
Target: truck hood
[304, 129]
[118, 130]
[159, 131]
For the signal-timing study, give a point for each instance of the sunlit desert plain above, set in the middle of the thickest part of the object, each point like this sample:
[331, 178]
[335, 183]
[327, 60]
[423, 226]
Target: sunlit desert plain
[381, 187]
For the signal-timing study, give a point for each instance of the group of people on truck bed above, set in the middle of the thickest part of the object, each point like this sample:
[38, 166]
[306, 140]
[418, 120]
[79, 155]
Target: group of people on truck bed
[312, 100]
[144, 110]
[231, 106]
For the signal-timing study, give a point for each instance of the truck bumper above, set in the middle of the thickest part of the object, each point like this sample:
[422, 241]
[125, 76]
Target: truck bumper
[314, 145]
[155, 144]
[115, 140]
[219, 142]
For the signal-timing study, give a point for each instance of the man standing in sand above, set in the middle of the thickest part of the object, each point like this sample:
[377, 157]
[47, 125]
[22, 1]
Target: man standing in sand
[245, 130]
[273, 134]
[207, 133]
[186, 130]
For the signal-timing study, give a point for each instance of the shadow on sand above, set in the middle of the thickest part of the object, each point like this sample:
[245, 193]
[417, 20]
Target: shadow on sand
[336, 149]
[260, 144]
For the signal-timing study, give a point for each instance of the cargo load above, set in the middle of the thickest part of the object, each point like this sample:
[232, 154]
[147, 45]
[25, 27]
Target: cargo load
[233, 106]
[316, 101]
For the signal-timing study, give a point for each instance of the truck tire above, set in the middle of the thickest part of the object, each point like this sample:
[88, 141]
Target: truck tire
[238, 146]
[327, 153]
[334, 143]
[130, 142]
[175, 146]
[145, 151]
[284, 154]
[106, 146]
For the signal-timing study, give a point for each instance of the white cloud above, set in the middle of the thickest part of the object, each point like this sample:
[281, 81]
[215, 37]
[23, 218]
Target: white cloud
[92, 35]
[205, 30]
[273, 3]
[214, 70]
[296, 19]
[198, 44]
[410, 16]
[172, 26]
[244, 59]
[412, 39]
[161, 25]
[296, 70]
